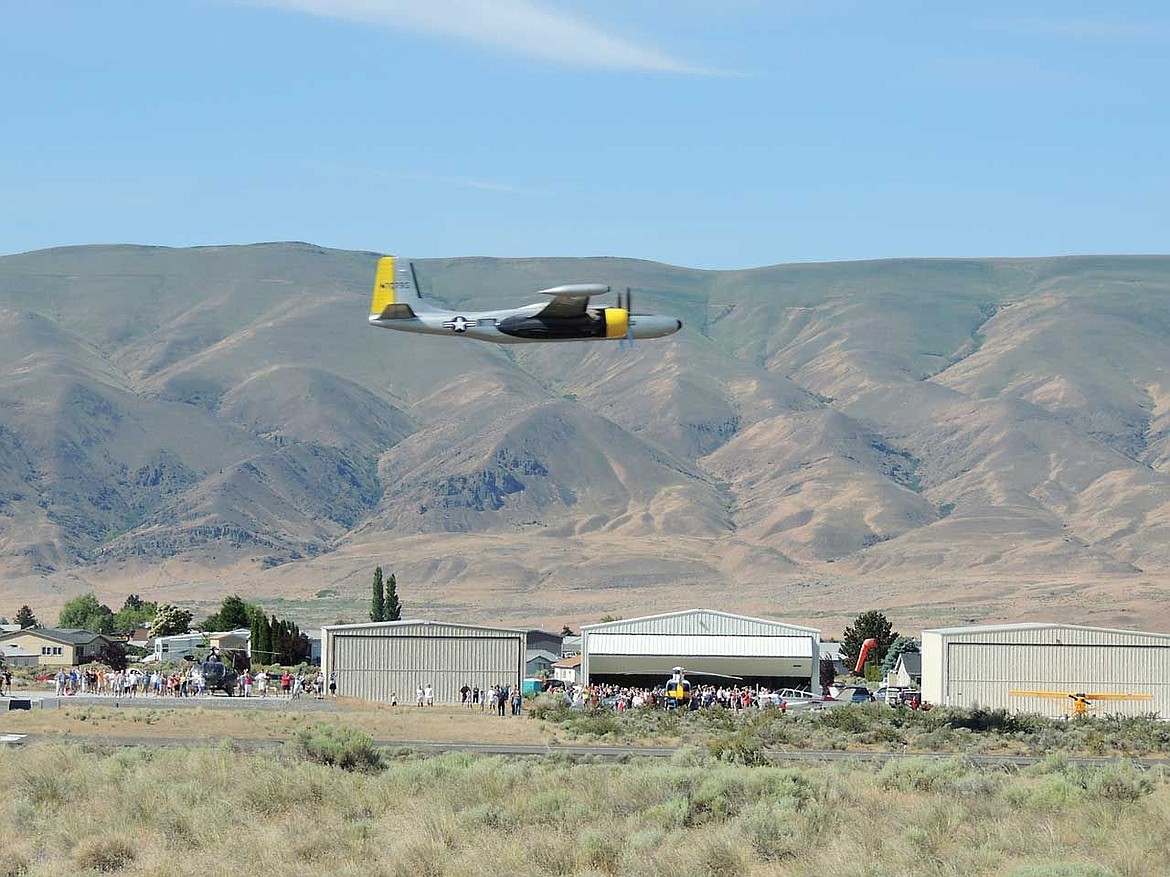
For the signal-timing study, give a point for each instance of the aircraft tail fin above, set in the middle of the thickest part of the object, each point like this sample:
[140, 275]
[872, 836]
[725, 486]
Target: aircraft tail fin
[396, 295]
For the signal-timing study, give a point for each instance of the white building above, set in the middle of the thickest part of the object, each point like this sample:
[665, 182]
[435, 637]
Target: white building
[180, 645]
[965, 666]
[726, 647]
[568, 670]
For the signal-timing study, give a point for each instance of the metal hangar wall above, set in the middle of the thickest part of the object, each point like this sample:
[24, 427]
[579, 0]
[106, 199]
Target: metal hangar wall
[376, 659]
[757, 650]
[965, 666]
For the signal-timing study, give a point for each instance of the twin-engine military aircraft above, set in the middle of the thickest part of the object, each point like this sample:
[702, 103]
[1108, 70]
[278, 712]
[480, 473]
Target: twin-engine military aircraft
[397, 304]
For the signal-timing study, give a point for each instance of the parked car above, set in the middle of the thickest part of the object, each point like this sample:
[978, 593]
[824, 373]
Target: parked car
[854, 694]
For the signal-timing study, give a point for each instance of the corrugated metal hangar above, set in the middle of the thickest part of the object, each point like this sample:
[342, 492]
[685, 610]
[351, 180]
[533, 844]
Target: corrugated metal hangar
[376, 659]
[642, 651]
[965, 666]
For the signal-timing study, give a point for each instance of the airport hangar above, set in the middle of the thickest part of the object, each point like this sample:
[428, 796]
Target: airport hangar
[755, 651]
[377, 659]
[969, 666]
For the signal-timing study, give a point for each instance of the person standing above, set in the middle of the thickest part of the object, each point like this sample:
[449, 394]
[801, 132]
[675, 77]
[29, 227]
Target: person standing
[502, 698]
[430, 694]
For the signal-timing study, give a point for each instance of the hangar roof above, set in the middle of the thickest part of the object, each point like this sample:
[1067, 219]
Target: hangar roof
[1036, 625]
[390, 626]
[700, 622]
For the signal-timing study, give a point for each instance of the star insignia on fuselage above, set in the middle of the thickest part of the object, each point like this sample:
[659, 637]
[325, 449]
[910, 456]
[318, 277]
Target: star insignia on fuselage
[459, 324]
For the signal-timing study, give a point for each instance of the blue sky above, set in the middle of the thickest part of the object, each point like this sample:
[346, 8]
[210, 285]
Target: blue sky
[696, 132]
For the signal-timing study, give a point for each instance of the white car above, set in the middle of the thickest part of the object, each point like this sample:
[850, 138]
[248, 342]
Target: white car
[793, 698]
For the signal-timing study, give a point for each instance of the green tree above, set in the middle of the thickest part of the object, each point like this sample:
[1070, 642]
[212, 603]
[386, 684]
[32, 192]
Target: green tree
[828, 673]
[113, 655]
[393, 604]
[170, 620]
[567, 631]
[899, 646]
[867, 624]
[87, 613]
[135, 612]
[25, 618]
[257, 636]
[234, 612]
[378, 600]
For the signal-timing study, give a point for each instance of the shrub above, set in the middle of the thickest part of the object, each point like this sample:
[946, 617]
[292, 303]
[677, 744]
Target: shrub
[738, 748]
[1119, 785]
[337, 746]
[601, 851]
[105, 854]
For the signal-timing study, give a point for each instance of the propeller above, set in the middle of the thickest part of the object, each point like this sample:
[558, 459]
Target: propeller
[629, 339]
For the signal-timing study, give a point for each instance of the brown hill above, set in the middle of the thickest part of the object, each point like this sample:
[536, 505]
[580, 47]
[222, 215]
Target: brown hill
[950, 439]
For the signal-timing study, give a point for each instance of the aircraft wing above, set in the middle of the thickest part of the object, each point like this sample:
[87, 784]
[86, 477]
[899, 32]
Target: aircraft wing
[570, 300]
[1117, 696]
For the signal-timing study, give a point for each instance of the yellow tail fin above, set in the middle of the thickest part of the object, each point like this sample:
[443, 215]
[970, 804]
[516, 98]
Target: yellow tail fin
[383, 286]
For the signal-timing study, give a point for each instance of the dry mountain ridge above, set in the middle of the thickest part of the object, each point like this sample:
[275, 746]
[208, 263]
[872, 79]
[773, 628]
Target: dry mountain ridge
[819, 436]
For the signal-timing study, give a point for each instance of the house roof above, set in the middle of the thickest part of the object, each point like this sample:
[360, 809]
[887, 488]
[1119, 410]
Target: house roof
[911, 662]
[574, 661]
[540, 653]
[73, 636]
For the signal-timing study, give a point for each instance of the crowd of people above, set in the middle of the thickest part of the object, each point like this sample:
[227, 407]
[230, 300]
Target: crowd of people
[623, 698]
[496, 699]
[187, 682]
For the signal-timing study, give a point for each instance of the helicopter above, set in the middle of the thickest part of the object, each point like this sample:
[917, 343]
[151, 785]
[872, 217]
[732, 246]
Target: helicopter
[678, 687]
[217, 675]
[678, 690]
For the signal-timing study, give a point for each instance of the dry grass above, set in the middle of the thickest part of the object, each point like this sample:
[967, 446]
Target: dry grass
[69, 810]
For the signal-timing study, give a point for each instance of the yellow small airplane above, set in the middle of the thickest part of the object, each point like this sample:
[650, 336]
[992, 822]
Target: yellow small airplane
[397, 304]
[1080, 702]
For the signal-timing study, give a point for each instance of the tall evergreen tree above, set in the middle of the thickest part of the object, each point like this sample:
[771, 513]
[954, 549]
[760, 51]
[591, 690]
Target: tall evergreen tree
[25, 618]
[393, 610]
[378, 600]
[900, 646]
[257, 637]
[867, 624]
[271, 638]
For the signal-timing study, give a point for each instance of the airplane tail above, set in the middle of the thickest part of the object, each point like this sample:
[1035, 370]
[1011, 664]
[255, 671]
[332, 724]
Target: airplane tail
[396, 295]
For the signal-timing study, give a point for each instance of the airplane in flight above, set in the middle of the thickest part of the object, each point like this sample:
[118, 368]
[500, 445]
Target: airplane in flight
[398, 304]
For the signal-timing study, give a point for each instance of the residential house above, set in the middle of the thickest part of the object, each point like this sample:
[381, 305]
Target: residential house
[568, 670]
[907, 672]
[16, 656]
[57, 647]
[538, 663]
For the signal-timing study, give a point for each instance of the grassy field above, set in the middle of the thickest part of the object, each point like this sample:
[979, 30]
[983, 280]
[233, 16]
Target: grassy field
[729, 735]
[863, 727]
[72, 810]
[162, 719]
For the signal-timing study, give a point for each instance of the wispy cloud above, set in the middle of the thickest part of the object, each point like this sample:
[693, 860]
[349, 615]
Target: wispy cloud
[521, 26]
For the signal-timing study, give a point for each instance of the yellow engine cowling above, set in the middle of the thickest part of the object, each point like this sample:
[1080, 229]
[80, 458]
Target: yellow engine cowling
[617, 322]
